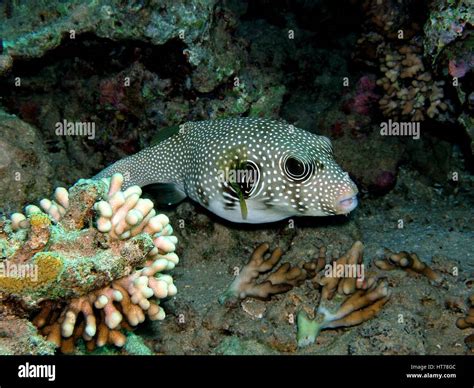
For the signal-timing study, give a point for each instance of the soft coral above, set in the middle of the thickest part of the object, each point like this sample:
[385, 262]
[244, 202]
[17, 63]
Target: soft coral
[364, 96]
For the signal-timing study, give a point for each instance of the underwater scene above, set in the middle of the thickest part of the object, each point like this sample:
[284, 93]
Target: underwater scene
[231, 177]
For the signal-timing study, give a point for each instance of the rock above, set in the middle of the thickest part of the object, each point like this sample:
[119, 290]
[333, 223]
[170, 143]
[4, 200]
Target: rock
[214, 58]
[25, 171]
[136, 346]
[233, 346]
[6, 62]
[19, 337]
[372, 160]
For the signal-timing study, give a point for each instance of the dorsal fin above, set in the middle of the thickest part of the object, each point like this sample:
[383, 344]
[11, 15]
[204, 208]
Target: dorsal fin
[164, 134]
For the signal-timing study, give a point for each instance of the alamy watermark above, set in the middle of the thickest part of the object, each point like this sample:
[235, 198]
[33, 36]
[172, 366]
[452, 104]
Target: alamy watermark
[395, 128]
[34, 371]
[336, 270]
[75, 128]
[19, 270]
[249, 176]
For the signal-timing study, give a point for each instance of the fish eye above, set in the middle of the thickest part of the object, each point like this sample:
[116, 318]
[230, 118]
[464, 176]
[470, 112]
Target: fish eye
[297, 170]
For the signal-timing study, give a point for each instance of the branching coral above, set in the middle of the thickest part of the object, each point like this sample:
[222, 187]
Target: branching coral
[347, 298]
[246, 283]
[409, 262]
[313, 267]
[92, 268]
[410, 90]
[103, 310]
[345, 301]
[468, 322]
[343, 285]
[392, 43]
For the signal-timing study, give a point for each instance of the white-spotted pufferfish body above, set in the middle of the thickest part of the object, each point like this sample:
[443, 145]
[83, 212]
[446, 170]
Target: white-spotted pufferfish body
[248, 170]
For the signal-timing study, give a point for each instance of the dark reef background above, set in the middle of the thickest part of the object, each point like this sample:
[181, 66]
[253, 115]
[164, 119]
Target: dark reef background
[336, 68]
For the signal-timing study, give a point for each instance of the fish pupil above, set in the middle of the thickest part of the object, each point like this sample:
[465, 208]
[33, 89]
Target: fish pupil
[294, 167]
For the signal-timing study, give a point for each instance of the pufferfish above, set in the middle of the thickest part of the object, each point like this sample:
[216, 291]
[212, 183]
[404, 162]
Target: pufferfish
[245, 170]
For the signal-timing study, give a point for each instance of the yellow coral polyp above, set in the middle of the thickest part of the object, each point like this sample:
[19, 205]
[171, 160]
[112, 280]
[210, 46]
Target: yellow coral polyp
[40, 220]
[21, 278]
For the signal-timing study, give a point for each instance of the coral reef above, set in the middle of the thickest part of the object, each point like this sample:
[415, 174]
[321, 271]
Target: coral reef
[423, 51]
[449, 42]
[409, 262]
[447, 22]
[149, 65]
[205, 60]
[205, 37]
[281, 280]
[85, 278]
[344, 301]
[411, 92]
[468, 322]
[389, 17]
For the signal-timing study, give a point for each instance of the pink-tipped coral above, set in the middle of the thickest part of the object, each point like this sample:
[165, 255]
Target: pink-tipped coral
[92, 278]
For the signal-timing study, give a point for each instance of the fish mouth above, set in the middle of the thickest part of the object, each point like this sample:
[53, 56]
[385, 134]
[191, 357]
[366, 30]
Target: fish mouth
[346, 203]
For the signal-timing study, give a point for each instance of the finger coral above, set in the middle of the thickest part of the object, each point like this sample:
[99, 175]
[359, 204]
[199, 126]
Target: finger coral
[409, 262]
[343, 285]
[313, 267]
[468, 322]
[246, 282]
[410, 90]
[89, 257]
[345, 300]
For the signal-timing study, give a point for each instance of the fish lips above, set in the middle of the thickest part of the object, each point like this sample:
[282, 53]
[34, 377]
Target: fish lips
[346, 203]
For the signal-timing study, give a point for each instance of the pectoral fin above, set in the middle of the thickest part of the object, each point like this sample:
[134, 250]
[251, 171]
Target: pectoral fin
[243, 204]
[165, 194]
